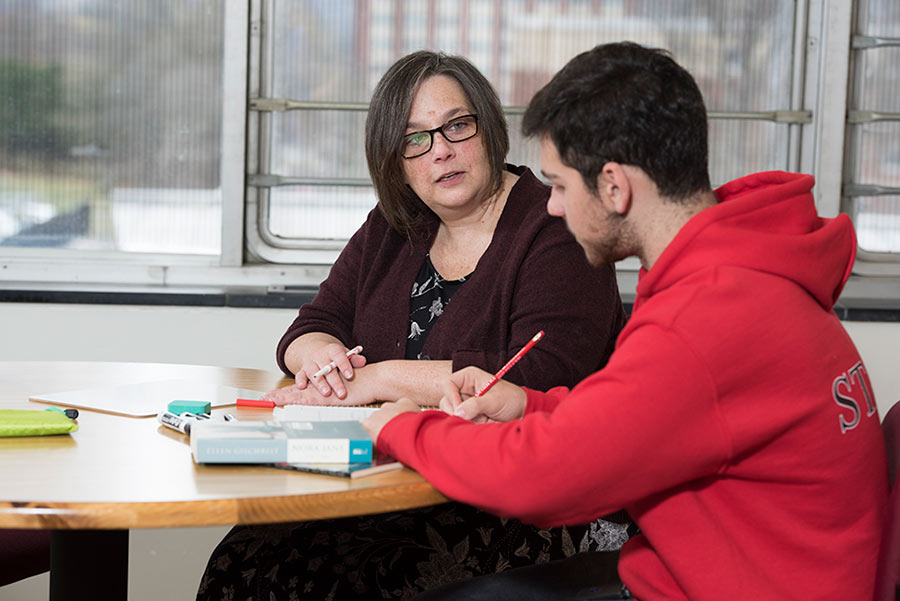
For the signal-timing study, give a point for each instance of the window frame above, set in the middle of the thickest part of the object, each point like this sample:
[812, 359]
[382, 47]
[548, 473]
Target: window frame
[249, 259]
[868, 263]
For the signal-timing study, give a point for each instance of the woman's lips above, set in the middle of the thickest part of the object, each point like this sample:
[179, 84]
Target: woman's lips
[449, 177]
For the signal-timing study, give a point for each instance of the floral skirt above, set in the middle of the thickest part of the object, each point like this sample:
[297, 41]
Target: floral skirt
[386, 556]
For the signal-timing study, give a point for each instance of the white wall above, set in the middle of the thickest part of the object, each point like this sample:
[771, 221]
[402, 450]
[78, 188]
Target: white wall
[879, 345]
[168, 563]
[233, 337]
[164, 563]
[223, 336]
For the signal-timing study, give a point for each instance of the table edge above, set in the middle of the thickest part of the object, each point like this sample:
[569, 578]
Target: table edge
[218, 512]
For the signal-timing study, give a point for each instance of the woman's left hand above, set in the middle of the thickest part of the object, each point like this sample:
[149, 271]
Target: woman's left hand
[388, 411]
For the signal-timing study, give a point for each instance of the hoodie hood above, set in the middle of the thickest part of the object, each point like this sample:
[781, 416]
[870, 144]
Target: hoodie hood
[765, 222]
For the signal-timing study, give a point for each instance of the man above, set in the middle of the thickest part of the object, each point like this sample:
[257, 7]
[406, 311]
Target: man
[734, 422]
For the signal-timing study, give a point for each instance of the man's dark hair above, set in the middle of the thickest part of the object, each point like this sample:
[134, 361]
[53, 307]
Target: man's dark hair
[386, 126]
[629, 104]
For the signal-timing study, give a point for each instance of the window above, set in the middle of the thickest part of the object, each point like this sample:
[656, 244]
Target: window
[872, 162]
[201, 142]
[111, 125]
[312, 181]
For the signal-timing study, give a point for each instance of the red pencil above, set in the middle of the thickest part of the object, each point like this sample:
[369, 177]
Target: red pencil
[510, 363]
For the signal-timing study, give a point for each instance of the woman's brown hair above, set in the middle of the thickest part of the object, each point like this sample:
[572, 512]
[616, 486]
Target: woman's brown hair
[386, 126]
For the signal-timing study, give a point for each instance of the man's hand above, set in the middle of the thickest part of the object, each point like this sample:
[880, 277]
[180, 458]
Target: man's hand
[502, 403]
[388, 411]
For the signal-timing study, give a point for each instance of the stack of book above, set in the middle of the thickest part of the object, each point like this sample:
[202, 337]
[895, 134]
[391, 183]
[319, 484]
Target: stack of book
[308, 439]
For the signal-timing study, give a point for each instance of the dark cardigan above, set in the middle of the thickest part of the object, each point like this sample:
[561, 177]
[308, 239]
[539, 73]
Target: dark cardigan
[533, 276]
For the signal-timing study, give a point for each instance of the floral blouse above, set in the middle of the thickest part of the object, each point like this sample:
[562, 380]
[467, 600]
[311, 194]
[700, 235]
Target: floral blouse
[430, 295]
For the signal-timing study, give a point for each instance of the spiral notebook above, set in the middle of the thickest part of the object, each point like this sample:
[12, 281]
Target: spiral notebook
[323, 413]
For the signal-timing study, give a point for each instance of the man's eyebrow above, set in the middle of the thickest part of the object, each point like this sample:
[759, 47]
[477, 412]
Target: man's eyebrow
[549, 176]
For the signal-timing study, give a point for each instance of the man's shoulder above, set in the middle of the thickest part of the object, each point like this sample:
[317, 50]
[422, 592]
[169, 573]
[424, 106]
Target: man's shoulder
[724, 306]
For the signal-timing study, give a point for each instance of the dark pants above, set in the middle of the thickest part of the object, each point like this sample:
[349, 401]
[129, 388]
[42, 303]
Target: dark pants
[584, 576]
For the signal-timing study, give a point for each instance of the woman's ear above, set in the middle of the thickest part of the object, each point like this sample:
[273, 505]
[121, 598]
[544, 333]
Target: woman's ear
[614, 188]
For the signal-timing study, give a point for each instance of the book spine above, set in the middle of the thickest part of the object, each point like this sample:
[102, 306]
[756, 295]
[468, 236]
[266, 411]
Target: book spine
[305, 450]
[328, 450]
[239, 451]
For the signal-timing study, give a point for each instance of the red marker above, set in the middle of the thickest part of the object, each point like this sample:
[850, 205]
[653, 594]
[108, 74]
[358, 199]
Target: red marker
[510, 363]
[255, 403]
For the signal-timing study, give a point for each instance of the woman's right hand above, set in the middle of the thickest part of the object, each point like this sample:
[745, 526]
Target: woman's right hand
[333, 381]
[289, 395]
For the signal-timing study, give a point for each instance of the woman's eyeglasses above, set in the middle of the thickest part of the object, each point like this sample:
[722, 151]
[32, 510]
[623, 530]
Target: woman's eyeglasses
[456, 130]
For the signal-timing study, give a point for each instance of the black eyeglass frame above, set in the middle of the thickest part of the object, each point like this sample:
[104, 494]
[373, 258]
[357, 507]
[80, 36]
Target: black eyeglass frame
[440, 129]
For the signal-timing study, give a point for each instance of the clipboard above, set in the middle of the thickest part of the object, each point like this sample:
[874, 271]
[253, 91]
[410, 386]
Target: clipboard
[145, 399]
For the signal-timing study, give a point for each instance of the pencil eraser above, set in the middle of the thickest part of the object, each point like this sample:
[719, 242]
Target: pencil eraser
[179, 407]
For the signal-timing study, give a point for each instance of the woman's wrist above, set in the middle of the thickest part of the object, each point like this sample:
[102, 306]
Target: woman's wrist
[379, 377]
[394, 379]
[293, 359]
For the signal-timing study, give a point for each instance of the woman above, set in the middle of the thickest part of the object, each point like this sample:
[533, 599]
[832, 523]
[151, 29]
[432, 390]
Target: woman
[460, 264]
[444, 209]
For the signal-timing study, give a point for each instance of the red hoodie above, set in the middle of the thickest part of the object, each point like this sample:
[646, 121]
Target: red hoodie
[735, 421]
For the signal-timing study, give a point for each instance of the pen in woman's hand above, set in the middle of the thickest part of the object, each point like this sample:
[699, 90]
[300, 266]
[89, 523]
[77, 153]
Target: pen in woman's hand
[327, 369]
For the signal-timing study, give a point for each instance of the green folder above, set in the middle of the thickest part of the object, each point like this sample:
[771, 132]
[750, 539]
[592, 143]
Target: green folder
[29, 422]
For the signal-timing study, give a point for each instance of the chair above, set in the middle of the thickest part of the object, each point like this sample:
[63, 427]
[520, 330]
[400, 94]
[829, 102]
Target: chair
[887, 576]
[23, 553]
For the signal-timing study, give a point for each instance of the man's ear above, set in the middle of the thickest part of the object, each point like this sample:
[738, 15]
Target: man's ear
[614, 188]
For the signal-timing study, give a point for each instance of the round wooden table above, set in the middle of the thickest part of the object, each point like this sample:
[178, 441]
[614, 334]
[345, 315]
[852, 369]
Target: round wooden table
[116, 473]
